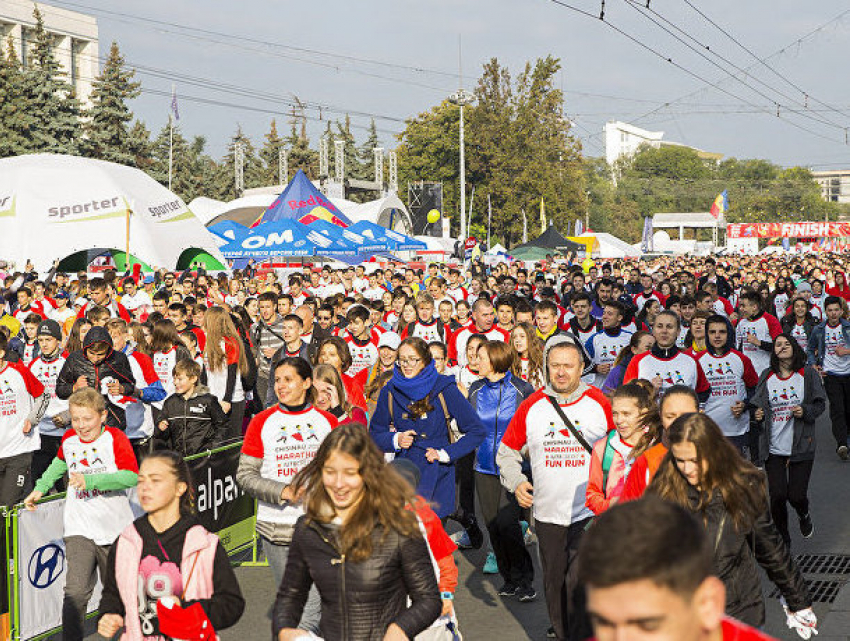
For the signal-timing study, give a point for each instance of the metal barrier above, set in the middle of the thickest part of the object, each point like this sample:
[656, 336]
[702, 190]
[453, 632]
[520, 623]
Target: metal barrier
[35, 550]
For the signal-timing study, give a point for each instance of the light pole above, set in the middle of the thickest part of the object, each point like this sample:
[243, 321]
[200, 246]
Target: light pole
[462, 98]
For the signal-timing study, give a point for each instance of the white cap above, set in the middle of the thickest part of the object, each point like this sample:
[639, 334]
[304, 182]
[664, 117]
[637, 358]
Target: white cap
[389, 339]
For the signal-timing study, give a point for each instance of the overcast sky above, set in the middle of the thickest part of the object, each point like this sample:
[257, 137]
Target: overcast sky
[397, 58]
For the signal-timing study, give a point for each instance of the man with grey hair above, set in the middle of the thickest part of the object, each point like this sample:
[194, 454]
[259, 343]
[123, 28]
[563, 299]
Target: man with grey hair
[558, 425]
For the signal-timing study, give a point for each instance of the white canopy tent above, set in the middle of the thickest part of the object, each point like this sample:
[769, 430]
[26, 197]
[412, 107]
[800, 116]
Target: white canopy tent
[54, 206]
[609, 246]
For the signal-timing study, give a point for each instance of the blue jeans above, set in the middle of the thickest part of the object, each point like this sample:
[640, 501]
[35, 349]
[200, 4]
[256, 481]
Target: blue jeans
[277, 556]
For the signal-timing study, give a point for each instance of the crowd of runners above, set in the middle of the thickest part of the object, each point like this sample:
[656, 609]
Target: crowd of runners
[641, 425]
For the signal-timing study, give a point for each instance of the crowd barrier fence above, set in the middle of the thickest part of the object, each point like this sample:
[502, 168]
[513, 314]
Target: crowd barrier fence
[35, 551]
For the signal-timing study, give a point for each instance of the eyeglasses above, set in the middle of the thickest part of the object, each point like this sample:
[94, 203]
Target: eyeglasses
[409, 361]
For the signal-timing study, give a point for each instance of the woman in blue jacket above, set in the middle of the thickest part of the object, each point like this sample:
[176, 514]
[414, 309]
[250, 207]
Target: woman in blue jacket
[412, 420]
[496, 397]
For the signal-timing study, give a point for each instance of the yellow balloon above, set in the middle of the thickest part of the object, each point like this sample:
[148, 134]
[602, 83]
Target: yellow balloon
[586, 264]
[433, 215]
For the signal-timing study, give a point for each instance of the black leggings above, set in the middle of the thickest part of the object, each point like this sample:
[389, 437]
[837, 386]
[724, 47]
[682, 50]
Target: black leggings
[502, 515]
[787, 482]
[465, 481]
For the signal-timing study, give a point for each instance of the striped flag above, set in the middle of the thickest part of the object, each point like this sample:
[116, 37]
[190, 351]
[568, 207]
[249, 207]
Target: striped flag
[720, 205]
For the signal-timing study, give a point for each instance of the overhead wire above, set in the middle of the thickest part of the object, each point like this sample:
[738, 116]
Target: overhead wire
[807, 96]
[645, 11]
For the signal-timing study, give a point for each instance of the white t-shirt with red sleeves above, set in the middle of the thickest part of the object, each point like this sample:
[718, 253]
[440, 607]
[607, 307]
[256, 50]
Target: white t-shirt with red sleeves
[560, 466]
[783, 394]
[35, 307]
[765, 327]
[723, 307]
[217, 379]
[364, 353]
[96, 514]
[458, 293]
[679, 369]
[729, 376]
[163, 365]
[29, 352]
[18, 388]
[832, 362]
[457, 344]
[286, 442]
[47, 372]
[642, 298]
[144, 374]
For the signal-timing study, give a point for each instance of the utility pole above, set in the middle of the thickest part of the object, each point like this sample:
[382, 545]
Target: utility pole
[462, 98]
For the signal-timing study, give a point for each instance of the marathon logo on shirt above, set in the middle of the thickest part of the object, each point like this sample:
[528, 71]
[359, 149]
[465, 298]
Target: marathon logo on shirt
[721, 377]
[295, 448]
[88, 461]
[8, 400]
[560, 449]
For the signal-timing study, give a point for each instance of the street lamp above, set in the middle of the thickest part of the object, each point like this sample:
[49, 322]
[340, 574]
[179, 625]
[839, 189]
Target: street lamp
[462, 98]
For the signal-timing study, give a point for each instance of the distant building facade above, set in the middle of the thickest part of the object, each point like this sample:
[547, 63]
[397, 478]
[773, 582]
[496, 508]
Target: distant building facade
[834, 185]
[75, 40]
[623, 140]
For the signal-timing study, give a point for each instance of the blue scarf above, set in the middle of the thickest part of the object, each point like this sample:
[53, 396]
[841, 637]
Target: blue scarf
[416, 388]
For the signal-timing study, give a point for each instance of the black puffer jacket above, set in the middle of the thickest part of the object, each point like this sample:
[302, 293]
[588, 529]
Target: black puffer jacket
[359, 600]
[195, 424]
[115, 366]
[735, 557]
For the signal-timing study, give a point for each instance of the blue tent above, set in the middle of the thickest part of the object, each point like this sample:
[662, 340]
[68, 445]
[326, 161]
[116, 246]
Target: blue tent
[228, 230]
[345, 236]
[395, 241]
[301, 201]
[283, 238]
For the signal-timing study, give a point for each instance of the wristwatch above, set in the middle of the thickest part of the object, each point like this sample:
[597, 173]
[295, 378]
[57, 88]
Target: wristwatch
[447, 596]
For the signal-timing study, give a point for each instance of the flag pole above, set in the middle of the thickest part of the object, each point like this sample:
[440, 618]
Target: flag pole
[127, 237]
[170, 149]
[489, 219]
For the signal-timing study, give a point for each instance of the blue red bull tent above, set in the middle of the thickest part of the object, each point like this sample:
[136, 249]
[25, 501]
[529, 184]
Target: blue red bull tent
[283, 238]
[395, 241]
[303, 202]
[346, 236]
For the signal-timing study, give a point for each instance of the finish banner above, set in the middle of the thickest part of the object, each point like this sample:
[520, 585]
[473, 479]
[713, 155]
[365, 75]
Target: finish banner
[787, 230]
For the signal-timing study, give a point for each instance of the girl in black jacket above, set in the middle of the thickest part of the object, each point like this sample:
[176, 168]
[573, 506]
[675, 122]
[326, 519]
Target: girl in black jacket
[361, 544]
[705, 473]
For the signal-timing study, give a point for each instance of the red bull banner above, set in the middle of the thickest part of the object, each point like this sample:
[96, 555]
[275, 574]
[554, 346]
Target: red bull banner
[787, 230]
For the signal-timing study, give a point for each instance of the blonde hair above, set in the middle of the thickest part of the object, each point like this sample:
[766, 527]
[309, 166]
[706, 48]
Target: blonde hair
[218, 327]
[89, 398]
[328, 374]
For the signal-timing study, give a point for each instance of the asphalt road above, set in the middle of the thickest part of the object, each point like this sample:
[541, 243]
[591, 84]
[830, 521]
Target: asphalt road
[485, 615]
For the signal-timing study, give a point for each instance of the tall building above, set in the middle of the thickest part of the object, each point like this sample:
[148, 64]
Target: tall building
[834, 185]
[74, 35]
[623, 139]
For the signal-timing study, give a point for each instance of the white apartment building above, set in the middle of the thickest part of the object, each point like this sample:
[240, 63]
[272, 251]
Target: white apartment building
[834, 185]
[74, 36]
[623, 139]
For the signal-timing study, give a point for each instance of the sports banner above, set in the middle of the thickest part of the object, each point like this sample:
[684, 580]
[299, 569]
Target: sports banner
[787, 230]
[41, 570]
[221, 505]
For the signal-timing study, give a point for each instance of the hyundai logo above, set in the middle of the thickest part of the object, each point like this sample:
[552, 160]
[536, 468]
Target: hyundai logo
[46, 565]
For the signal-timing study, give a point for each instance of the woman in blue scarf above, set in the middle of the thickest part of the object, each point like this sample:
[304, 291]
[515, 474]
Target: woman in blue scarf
[410, 421]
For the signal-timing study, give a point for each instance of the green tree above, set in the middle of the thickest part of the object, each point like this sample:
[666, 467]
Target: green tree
[366, 155]
[56, 110]
[300, 154]
[107, 132]
[428, 150]
[139, 147]
[185, 181]
[16, 113]
[270, 155]
[252, 168]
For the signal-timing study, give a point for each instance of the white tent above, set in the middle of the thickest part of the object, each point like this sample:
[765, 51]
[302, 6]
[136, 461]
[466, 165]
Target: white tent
[53, 206]
[609, 246]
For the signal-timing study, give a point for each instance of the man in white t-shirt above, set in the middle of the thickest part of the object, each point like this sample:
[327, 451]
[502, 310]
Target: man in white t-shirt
[829, 351]
[558, 425]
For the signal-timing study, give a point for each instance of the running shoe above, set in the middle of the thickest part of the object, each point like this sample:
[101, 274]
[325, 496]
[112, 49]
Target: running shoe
[807, 528]
[526, 593]
[843, 452]
[491, 566]
[550, 633]
[508, 589]
[461, 540]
